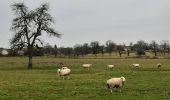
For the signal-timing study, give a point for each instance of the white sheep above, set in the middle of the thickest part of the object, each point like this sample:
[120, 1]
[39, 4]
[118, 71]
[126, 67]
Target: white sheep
[110, 66]
[115, 83]
[135, 65]
[64, 72]
[87, 66]
[159, 65]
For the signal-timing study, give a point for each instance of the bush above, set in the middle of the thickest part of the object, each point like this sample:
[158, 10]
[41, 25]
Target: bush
[140, 52]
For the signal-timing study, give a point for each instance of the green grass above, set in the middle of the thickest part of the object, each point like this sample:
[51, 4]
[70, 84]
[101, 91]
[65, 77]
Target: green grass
[42, 82]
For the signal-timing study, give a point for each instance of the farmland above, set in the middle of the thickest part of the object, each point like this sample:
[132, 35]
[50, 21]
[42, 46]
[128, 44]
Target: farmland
[42, 83]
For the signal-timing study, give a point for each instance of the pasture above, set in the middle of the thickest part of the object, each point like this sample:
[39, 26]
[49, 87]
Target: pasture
[42, 82]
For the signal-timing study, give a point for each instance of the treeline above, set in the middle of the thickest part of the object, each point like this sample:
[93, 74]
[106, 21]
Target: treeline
[95, 48]
[109, 47]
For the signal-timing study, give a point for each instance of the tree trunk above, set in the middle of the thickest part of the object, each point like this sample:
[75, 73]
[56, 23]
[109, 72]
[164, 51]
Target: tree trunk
[128, 53]
[29, 58]
[155, 53]
[30, 61]
[120, 54]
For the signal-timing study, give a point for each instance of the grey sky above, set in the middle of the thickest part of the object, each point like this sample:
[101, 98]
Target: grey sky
[82, 21]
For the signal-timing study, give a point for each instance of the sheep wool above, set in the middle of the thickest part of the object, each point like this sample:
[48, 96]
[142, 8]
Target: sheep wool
[135, 65]
[110, 66]
[115, 83]
[86, 65]
[64, 72]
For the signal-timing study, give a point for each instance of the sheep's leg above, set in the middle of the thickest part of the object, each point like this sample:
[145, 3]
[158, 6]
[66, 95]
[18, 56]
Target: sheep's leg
[63, 77]
[109, 87]
[111, 90]
[68, 77]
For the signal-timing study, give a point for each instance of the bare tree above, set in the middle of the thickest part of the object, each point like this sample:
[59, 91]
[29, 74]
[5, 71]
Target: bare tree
[110, 46]
[29, 26]
[140, 47]
[120, 49]
[164, 46]
[154, 47]
[86, 48]
[95, 47]
[102, 50]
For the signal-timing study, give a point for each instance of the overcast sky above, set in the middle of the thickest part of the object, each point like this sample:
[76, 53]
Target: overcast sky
[83, 21]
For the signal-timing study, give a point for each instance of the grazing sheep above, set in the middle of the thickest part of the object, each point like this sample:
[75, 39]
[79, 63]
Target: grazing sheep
[64, 72]
[159, 65]
[135, 65]
[110, 66]
[86, 66]
[115, 83]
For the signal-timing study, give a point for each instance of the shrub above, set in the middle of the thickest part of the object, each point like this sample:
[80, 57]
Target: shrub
[140, 52]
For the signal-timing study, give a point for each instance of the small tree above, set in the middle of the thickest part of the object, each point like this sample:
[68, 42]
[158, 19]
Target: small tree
[140, 47]
[128, 51]
[164, 46]
[120, 49]
[129, 48]
[86, 48]
[95, 47]
[140, 52]
[29, 26]
[154, 47]
[102, 49]
[110, 46]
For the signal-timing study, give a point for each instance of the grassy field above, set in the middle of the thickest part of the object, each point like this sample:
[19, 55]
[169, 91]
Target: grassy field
[42, 82]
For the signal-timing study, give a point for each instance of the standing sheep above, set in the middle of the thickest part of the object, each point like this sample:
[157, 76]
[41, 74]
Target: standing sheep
[115, 83]
[135, 65]
[110, 66]
[87, 66]
[159, 65]
[64, 72]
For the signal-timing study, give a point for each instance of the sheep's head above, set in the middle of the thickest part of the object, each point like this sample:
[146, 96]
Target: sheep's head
[123, 79]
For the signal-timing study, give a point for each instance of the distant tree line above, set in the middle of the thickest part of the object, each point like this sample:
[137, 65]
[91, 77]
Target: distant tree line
[95, 48]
